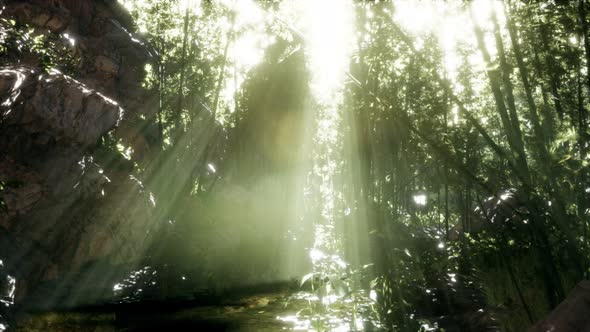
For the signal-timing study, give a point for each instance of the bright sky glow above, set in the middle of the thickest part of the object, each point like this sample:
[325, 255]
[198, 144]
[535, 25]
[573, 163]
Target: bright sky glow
[451, 23]
[420, 199]
[246, 50]
[328, 26]
[194, 5]
[250, 37]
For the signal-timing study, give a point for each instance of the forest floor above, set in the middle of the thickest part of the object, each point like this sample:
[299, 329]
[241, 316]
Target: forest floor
[266, 311]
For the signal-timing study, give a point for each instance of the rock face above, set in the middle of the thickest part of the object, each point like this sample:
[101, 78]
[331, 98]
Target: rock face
[55, 106]
[571, 315]
[111, 58]
[68, 200]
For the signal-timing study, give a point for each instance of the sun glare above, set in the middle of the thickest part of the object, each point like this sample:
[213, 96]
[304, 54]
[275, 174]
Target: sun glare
[420, 199]
[193, 5]
[452, 24]
[327, 26]
[246, 49]
[417, 17]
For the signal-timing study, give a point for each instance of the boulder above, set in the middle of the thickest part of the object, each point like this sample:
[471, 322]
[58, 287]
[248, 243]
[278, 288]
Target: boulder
[52, 18]
[56, 105]
[571, 315]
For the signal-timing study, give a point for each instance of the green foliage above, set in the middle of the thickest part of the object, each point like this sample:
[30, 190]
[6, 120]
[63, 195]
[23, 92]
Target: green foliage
[414, 286]
[417, 136]
[337, 298]
[21, 43]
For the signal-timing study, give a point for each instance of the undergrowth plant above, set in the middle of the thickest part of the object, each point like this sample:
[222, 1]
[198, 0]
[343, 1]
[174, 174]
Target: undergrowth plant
[337, 296]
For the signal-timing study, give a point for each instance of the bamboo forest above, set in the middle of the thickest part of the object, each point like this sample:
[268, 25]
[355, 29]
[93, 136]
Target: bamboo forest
[294, 165]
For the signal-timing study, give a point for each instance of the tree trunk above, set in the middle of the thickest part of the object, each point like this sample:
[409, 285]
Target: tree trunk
[586, 37]
[178, 114]
[537, 127]
[494, 76]
[506, 70]
[551, 69]
[228, 41]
